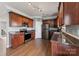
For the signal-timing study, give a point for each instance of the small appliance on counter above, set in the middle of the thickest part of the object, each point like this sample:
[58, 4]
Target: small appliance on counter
[24, 24]
[3, 33]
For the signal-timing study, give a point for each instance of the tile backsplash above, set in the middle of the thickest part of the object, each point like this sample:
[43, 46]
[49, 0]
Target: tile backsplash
[73, 29]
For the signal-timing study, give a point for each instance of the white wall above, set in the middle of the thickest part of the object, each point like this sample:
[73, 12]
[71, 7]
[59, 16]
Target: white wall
[38, 28]
[4, 17]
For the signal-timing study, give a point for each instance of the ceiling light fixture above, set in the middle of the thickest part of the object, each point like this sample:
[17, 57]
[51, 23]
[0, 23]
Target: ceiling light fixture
[36, 8]
[29, 3]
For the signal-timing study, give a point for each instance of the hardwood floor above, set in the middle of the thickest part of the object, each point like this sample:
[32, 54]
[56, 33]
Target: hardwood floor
[37, 47]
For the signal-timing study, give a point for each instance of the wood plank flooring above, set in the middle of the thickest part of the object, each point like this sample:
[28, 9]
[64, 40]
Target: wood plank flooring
[37, 47]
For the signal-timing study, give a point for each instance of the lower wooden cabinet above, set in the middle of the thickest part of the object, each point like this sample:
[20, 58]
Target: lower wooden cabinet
[59, 49]
[17, 39]
[21, 38]
[14, 41]
[33, 35]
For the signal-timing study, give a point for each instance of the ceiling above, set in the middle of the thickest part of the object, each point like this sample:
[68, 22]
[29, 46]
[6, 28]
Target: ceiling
[49, 9]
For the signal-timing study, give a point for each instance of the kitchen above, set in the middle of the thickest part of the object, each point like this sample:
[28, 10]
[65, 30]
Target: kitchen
[44, 32]
[19, 24]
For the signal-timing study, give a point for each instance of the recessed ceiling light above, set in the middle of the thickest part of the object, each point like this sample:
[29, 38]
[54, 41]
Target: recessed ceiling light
[29, 3]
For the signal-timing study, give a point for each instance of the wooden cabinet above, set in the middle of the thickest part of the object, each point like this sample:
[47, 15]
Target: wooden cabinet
[30, 23]
[49, 21]
[55, 22]
[46, 21]
[33, 35]
[21, 38]
[71, 9]
[25, 20]
[60, 20]
[14, 41]
[15, 19]
[17, 39]
[59, 49]
[19, 20]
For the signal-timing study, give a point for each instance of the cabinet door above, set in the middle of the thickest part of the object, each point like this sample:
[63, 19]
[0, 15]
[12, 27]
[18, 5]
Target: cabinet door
[20, 20]
[33, 35]
[72, 10]
[77, 13]
[60, 19]
[14, 41]
[48, 21]
[25, 21]
[13, 19]
[21, 38]
[30, 23]
[17, 39]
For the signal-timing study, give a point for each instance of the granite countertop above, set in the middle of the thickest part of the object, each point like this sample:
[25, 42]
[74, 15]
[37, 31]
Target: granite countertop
[76, 37]
[55, 36]
[73, 39]
[16, 32]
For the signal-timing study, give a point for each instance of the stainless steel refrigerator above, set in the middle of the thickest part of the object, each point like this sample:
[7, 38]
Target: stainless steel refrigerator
[45, 31]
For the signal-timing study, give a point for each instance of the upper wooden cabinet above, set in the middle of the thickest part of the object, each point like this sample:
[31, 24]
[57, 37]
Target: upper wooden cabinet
[71, 12]
[19, 20]
[15, 19]
[46, 21]
[25, 20]
[60, 19]
[49, 21]
[30, 23]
